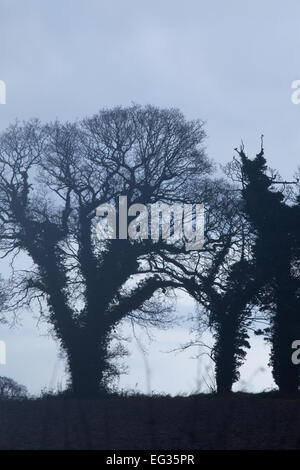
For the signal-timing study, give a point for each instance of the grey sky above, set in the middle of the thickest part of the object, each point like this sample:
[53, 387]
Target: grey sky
[229, 63]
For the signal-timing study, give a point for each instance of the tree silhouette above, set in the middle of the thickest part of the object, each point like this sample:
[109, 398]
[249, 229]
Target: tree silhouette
[10, 389]
[221, 280]
[52, 179]
[231, 317]
[276, 257]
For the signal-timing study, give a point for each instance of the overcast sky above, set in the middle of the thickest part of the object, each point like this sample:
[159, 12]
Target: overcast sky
[229, 63]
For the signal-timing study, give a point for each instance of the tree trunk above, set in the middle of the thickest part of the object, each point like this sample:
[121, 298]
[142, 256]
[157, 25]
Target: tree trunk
[225, 356]
[285, 330]
[87, 365]
[285, 373]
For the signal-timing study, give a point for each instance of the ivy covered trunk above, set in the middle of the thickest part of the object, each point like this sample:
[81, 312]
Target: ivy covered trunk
[224, 355]
[87, 363]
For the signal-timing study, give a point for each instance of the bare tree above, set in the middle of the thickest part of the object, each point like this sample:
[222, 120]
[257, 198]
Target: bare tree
[52, 179]
[9, 389]
[221, 279]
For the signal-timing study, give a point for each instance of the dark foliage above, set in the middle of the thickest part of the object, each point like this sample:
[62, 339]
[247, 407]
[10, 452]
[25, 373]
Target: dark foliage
[276, 253]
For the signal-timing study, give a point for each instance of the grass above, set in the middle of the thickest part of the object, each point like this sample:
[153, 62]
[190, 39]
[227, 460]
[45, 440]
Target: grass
[130, 421]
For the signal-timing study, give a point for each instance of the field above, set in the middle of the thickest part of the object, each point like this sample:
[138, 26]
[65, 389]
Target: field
[118, 423]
